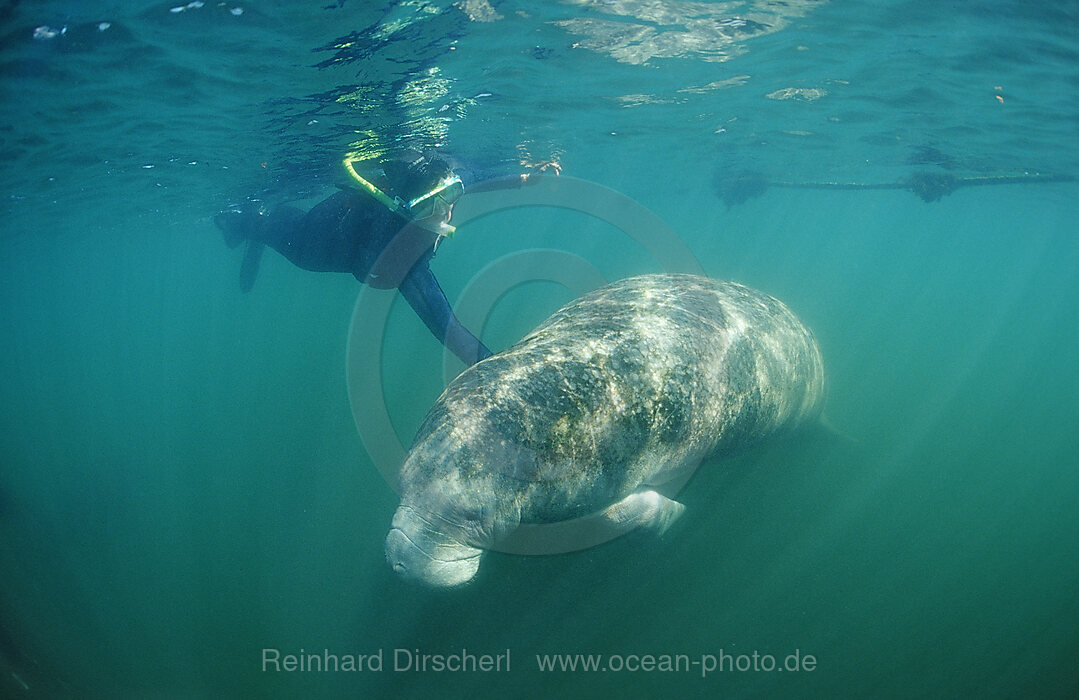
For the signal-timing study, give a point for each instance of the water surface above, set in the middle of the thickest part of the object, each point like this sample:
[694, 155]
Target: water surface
[182, 485]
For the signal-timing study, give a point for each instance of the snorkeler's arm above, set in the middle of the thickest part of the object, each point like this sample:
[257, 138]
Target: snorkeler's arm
[489, 179]
[420, 289]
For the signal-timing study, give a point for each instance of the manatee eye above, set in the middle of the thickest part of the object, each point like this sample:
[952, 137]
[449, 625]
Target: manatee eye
[473, 513]
[473, 518]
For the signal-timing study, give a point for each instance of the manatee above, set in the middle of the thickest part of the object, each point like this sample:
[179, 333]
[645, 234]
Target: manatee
[587, 418]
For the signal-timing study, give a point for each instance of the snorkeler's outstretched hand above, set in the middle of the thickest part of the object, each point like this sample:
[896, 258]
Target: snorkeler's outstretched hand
[538, 168]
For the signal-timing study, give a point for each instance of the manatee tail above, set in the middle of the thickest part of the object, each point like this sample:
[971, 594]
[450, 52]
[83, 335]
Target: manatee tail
[249, 269]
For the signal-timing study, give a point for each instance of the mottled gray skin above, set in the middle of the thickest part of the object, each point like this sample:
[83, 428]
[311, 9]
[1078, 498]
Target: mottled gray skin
[626, 388]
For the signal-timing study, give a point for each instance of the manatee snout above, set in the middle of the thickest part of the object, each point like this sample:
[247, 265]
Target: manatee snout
[418, 552]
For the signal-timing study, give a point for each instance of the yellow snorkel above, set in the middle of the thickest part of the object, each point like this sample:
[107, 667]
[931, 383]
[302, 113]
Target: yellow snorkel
[448, 190]
[394, 205]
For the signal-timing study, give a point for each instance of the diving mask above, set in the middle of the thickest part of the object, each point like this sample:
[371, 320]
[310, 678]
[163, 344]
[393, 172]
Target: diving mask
[438, 201]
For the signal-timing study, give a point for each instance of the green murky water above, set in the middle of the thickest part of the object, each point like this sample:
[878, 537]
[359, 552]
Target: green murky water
[181, 483]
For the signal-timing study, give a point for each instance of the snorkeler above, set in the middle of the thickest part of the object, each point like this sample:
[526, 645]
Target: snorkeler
[384, 235]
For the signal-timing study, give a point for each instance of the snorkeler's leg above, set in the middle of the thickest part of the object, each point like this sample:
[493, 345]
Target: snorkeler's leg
[257, 230]
[420, 289]
[311, 239]
[238, 226]
[252, 225]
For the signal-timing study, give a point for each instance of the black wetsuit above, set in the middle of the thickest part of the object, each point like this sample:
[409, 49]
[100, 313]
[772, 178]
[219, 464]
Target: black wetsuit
[351, 232]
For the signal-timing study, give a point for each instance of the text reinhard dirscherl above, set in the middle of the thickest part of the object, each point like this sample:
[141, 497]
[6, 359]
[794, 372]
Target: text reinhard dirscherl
[401, 660]
[464, 661]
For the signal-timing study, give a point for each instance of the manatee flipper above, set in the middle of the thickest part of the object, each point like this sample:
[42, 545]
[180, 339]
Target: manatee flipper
[249, 268]
[827, 427]
[645, 510]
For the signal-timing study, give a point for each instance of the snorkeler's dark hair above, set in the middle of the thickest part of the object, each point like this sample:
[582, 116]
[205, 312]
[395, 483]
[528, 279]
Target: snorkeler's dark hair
[417, 177]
